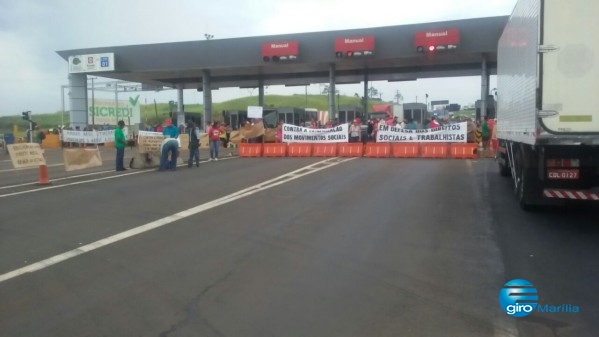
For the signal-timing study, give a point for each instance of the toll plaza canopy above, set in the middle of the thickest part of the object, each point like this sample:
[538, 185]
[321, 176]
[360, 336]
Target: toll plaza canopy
[394, 53]
[239, 62]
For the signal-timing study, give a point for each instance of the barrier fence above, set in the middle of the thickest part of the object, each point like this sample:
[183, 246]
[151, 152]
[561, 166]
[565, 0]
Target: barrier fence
[369, 150]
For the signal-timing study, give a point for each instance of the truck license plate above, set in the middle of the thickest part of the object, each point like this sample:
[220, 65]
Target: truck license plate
[562, 174]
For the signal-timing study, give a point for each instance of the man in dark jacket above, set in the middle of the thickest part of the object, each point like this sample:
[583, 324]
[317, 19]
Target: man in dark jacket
[194, 144]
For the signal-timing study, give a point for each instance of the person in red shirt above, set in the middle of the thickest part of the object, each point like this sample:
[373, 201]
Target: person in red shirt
[214, 137]
[434, 124]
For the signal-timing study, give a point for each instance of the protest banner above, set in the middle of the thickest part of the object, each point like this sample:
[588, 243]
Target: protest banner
[298, 134]
[452, 133]
[88, 137]
[26, 155]
[79, 159]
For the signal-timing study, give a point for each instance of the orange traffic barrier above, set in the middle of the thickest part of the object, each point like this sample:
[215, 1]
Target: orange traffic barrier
[350, 150]
[299, 150]
[405, 150]
[274, 150]
[377, 150]
[434, 150]
[324, 150]
[463, 150]
[250, 149]
[43, 175]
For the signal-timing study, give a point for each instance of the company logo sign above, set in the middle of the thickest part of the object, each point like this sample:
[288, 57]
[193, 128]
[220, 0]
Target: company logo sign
[518, 298]
[91, 63]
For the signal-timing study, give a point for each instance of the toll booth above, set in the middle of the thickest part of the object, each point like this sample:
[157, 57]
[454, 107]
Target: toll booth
[235, 118]
[491, 107]
[416, 112]
[347, 113]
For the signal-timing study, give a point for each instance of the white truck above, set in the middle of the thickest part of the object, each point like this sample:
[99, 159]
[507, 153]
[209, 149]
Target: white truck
[547, 121]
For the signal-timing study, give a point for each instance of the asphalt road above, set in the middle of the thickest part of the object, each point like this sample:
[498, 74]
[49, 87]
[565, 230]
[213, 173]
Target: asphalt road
[287, 247]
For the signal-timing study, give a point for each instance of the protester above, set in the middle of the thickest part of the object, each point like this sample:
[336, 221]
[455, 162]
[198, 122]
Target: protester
[433, 123]
[223, 134]
[194, 144]
[484, 130]
[412, 125]
[119, 143]
[228, 130]
[471, 131]
[279, 135]
[169, 146]
[170, 130]
[214, 137]
[355, 132]
[370, 129]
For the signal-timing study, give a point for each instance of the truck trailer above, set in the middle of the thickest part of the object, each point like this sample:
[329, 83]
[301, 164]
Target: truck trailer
[547, 121]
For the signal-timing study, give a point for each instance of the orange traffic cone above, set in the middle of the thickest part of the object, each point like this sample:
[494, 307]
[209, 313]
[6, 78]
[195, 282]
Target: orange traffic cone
[43, 176]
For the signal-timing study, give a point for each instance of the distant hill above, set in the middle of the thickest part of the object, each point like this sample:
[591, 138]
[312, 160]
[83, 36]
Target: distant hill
[154, 114]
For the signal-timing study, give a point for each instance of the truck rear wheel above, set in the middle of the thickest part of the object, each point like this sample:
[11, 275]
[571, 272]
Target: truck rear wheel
[526, 188]
[504, 169]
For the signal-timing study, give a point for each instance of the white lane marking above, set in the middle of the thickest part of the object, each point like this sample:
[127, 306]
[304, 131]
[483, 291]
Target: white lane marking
[80, 182]
[28, 168]
[59, 179]
[172, 218]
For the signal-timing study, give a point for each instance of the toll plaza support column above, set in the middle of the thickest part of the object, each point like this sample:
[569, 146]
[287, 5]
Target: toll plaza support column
[207, 99]
[484, 92]
[332, 111]
[78, 100]
[261, 92]
[180, 105]
[365, 99]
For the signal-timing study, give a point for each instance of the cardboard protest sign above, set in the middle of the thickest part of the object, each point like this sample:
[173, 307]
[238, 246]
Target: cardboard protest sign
[149, 142]
[252, 131]
[82, 158]
[26, 155]
[184, 141]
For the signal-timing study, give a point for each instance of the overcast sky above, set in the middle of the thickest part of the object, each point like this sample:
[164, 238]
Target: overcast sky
[31, 31]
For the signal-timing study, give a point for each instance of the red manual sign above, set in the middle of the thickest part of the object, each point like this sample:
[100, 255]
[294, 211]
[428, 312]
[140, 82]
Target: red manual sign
[280, 48]
[359, 43]
[437, 37]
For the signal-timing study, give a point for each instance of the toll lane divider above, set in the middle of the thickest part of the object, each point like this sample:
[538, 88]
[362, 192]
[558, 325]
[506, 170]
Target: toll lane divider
[299, 150]
[405, 150]
[250, 149]
[324, 150]
[274, 150]
[464, 150]
[377, 150]
[369, 150]
[434, 150]
[350, 150]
